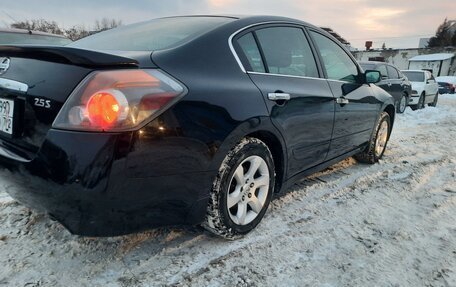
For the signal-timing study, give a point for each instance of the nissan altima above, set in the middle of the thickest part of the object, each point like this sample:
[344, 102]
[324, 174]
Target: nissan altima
[183, 120]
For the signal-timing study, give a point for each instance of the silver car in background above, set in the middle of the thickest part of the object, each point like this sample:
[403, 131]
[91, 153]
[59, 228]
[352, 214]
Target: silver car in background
[425, 89]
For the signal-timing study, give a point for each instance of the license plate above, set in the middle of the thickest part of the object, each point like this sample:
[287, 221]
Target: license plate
[6, 115]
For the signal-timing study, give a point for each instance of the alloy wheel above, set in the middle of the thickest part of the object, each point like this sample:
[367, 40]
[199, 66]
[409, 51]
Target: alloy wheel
[248, 190]
[382, 138]
[403, 104]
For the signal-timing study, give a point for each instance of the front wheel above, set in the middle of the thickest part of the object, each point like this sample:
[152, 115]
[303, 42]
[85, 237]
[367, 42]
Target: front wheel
[434, 102]
[402, 104]
[377, 144]
[420, 104]
[242, 190]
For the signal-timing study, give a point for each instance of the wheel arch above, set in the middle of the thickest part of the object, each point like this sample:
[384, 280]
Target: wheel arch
[391, 112]
[262, 129]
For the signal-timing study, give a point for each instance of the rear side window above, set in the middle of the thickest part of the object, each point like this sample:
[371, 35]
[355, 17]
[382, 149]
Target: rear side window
[251, 52]
[339, 66]
[383, 71]
[392, 72]
[152, 35]
[287, 52]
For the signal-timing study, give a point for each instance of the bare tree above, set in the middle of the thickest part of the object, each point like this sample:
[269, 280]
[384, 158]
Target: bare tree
[74, 33]
[39, 25]
[106, 24]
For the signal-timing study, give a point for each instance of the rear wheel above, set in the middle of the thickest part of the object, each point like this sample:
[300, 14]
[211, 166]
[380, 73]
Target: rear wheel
[377, 145]
[242, 190]
[402, 104]
[434, 102]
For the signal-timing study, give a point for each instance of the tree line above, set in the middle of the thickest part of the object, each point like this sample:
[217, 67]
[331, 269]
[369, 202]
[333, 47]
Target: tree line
[445, 35]
[74, 33]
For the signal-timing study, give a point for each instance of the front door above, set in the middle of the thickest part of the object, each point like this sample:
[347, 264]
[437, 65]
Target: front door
[356, 108]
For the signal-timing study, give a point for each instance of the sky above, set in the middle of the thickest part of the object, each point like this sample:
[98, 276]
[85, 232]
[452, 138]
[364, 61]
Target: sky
[397, 23]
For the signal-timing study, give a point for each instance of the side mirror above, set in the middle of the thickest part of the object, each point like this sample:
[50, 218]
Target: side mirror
[372, 77]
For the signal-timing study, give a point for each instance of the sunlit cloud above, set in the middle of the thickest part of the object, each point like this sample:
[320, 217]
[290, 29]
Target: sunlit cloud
[378, 19]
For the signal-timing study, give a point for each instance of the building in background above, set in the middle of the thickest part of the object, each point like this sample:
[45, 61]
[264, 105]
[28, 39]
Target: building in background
[442, 61]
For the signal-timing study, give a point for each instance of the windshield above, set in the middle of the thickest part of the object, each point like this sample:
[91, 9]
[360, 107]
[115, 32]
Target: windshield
[151, 35]
[8, 38]
[414, 76]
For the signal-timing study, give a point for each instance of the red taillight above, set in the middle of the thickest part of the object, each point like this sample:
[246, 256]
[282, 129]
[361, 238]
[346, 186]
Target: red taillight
[117, 100]
[106, 108]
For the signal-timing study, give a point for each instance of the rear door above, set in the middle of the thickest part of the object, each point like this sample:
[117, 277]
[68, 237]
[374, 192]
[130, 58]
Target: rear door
[281, 63]
[385, 83]
[356, 107]
[396, 83]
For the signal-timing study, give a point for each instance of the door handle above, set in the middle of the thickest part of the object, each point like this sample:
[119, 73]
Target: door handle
[389, 84]
[342, 101]
[279, 96]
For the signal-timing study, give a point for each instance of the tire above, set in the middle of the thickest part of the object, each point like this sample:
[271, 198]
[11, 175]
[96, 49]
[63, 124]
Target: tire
[250, 192]
[378, 142]
[402, 104]
[420, 104]
[434, 102]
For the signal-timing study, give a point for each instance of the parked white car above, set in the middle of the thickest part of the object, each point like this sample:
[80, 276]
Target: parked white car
[425, 89]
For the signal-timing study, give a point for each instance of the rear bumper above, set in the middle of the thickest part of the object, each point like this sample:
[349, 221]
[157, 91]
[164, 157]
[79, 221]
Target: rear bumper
[89, 184]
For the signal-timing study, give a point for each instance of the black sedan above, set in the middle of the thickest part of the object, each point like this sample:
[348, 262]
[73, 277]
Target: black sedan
[183, 120]
[392, 81]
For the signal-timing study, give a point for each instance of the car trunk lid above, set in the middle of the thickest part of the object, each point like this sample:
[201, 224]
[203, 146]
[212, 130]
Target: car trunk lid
[35, 82]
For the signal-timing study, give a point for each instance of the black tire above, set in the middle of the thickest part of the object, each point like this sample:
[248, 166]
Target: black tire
[370, 155]
[219, 216]
[434, 102]
[420, 104]
[421, 101]
[402, 106]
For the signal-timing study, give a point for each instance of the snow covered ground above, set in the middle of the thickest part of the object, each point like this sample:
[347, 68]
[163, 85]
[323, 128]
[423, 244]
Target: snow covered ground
[390, 224]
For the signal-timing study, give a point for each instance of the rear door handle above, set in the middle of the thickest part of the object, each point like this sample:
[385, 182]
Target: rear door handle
[389, 84]
[342, 101]
[279, 96]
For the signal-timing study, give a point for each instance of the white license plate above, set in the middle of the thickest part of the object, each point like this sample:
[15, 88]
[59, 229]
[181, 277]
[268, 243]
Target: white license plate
[6, 115]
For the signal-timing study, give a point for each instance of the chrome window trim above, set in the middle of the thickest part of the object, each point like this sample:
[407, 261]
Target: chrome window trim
[283, 75]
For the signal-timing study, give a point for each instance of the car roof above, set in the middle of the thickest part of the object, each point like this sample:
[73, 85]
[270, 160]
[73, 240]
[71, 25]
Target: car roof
[448, 79]
[254, 19]
[29, 32]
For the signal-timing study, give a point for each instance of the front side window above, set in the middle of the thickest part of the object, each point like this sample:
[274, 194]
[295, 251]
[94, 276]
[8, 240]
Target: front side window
[287, 51]
[339, 66]
[251, 52]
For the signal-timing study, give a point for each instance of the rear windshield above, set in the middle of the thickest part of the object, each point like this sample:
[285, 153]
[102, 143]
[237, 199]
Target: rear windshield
[8, 38]
[414, 76]
[151, 35]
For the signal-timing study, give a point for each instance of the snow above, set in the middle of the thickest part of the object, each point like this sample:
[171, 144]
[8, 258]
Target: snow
[432, 57]
[389, 224]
